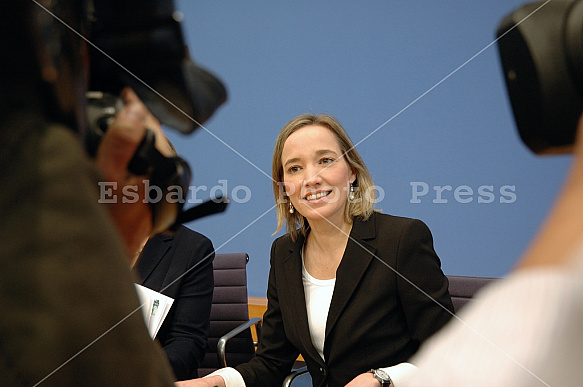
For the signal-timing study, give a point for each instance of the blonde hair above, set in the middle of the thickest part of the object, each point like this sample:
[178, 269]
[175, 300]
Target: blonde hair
[364, 195]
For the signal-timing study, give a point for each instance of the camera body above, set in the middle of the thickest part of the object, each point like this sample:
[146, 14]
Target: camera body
[101, 110]
[541, 50]
[170, 175]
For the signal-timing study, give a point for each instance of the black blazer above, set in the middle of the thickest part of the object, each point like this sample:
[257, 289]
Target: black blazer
[390, 295]
[181, 266]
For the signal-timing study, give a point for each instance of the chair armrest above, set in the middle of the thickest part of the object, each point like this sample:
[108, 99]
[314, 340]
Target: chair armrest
[222, 343]
[295, 373]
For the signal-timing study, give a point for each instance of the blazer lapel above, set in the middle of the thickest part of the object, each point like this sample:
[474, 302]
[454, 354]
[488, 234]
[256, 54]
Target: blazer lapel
[155, 249]
[356, 259]
[295, 288]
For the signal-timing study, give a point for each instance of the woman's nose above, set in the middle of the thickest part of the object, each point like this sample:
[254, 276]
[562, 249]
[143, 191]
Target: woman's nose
[312, 177]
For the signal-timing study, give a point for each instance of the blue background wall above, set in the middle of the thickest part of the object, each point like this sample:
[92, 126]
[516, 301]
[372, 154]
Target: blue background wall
[418, 87]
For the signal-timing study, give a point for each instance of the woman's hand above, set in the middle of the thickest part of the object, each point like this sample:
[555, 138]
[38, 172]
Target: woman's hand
[211, 381]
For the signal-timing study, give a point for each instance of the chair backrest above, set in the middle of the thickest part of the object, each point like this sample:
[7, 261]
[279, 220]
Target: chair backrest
[463, 288]
[229, 310]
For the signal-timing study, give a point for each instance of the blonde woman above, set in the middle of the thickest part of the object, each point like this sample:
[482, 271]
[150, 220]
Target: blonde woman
[350, 289]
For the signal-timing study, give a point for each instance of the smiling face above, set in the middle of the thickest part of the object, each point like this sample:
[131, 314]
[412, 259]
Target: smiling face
[315, 174]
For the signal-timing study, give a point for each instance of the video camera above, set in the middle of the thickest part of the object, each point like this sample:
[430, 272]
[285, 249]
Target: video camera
[140, 44]
[541, 50]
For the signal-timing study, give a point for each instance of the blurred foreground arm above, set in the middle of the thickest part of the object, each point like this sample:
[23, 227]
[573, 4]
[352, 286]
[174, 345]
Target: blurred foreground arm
[523, 330]
[562, 231]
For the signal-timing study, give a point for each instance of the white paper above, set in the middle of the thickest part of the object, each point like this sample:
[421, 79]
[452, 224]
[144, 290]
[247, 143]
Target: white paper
[155, 308]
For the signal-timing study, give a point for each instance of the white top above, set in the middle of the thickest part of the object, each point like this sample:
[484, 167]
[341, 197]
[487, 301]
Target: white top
[318, 296]
[526, 330]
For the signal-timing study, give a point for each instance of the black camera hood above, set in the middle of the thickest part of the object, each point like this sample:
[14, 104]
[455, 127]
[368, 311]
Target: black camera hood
[541, 51]
[140, 45]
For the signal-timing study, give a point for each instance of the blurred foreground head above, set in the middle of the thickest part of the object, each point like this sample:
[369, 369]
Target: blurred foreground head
[43, 65]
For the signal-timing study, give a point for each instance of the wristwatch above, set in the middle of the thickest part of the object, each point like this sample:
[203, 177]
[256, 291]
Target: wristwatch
[382, 377]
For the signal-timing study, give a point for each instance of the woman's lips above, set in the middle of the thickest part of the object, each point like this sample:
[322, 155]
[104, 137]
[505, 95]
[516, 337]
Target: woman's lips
[318, 195]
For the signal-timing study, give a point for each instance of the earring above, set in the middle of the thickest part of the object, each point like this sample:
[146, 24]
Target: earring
[351, 195]
[291, 208]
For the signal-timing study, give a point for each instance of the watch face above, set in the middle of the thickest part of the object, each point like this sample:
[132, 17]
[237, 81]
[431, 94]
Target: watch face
[383, 375]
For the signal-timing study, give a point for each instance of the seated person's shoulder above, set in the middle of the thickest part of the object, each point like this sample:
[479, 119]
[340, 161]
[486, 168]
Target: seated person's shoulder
[388, 219]
[399, 224]
[184, 232]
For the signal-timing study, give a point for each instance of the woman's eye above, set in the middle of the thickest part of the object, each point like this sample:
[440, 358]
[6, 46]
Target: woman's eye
[293, 169]
[326, 160]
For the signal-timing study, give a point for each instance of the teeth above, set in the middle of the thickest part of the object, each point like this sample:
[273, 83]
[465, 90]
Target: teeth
[317, 196]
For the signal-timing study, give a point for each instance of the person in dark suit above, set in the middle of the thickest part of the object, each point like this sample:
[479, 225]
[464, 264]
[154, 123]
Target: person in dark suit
[350, 289]
[180, 265]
